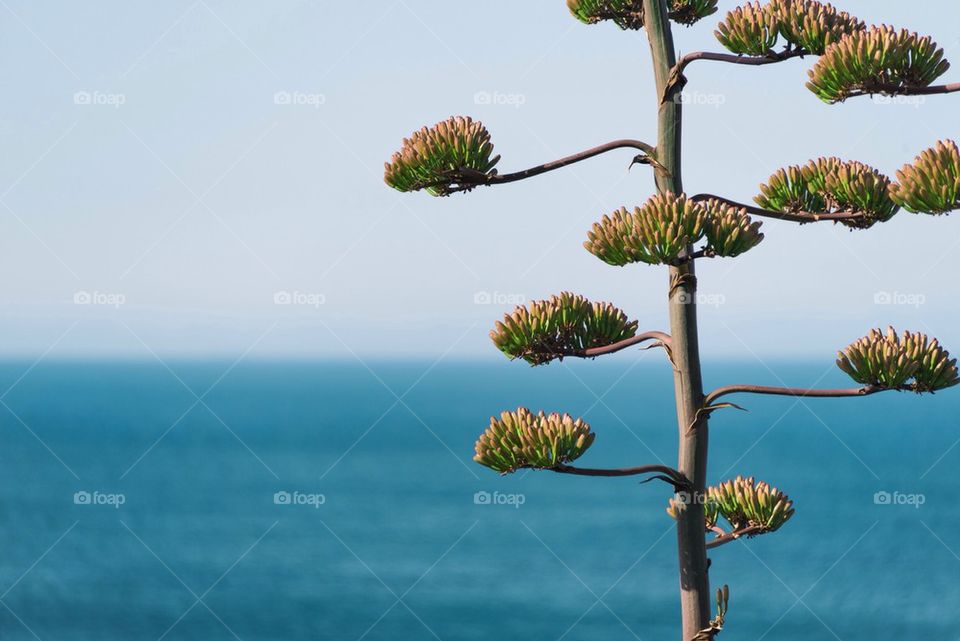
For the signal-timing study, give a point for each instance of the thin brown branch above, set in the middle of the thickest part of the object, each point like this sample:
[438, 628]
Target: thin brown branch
[661, 339]
[664, 472]
[897, 90]
[730, 537]
[802, 217]
[678, 80]
[795, 392]
[468, 179]
[755, 61]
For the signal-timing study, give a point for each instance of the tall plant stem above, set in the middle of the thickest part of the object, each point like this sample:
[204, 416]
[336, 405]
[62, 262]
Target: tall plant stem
[692, 456]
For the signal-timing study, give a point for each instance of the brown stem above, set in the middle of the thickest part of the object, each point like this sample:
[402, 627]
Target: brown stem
[676, 478]
[795, 392]
[695, 596]
[797, 217]
[756, 61]
[468, 179]
[897, 90]
[661, 338]
[730, 537]
[677, 80]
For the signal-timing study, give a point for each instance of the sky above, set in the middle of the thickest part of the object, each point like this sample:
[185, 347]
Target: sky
[204, 179]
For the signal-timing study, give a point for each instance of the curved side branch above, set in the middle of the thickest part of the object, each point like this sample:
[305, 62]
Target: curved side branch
[896, 90]
[468, 178]
[795, 392]
[678, 80]
[802, 217]
[730, 537]
[754, 61]
[662, 340]
[664, 472]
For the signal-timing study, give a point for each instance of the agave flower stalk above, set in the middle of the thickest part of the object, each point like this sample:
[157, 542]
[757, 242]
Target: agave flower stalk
[672, 231]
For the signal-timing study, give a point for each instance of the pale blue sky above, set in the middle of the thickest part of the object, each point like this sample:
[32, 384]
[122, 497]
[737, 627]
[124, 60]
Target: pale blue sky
[187, 193]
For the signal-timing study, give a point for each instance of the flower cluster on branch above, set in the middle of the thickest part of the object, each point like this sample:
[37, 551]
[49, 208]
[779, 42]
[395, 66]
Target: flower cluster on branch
[659, 232]
[747, 505]
[813, 26]
[910, 361]
[438, 159]
[755, 30]
[750, 30]
[729, 230]
[523, 439]
[828, 186]
[932, 183]
[854, 61]
[564, 325]
[628, 14]
[879, 60]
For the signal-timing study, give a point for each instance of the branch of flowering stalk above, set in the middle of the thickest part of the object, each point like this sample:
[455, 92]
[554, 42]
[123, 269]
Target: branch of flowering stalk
[755, 61]
[730, 537]
[802, 217]
[678, 80]
[662, 340]
[470, 178]
[897, 90]
[867, 390]
[662, 472]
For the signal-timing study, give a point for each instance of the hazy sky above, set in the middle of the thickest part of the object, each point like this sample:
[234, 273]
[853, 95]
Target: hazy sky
[179, 165]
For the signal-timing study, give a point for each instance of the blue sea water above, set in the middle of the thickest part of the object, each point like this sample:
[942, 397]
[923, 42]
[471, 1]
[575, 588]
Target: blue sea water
[388, 541]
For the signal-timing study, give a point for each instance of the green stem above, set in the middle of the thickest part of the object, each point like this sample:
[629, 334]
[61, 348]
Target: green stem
[692, 456]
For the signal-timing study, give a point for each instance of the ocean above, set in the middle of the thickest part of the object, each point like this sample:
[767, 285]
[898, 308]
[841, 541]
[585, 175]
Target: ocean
[338, 500]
